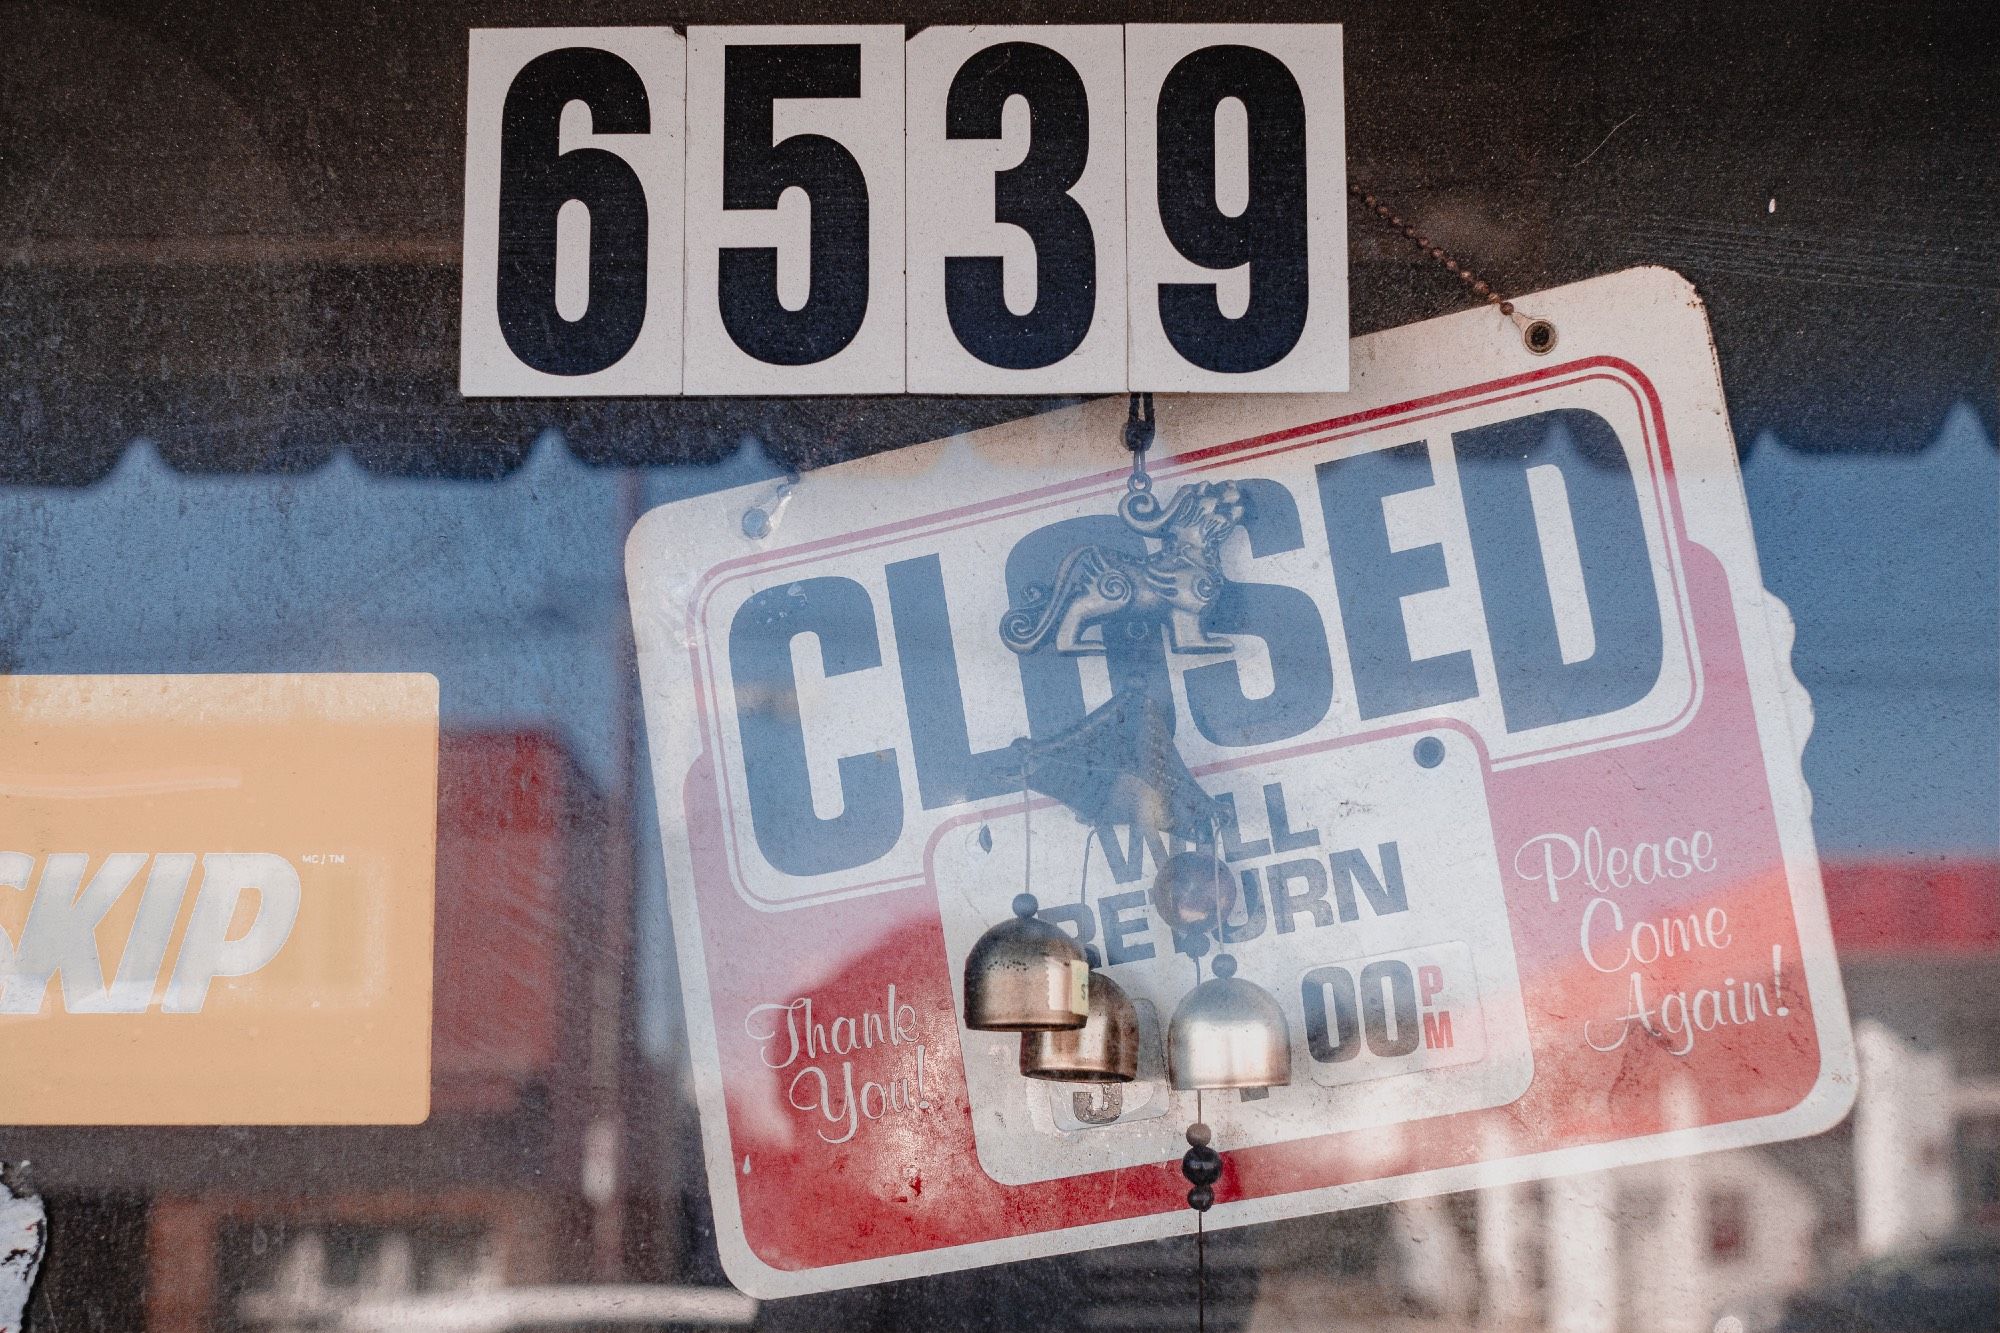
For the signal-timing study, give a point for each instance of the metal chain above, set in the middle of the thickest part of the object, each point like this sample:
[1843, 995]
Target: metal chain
[1479, 287]
[1027, 827]
[1139, 429]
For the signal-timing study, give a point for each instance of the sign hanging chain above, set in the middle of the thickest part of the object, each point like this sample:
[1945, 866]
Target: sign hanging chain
[1538, 334]
[1139, 429]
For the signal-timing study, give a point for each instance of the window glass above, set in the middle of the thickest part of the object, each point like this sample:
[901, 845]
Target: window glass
[232, 444]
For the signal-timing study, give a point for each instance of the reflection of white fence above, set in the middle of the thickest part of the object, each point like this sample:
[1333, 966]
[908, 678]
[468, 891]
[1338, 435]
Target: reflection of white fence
[1698, 1245]
[1704, 1243]
[523, 1308]
[1684, 1246]
[394, 1289]
[1904, 1119]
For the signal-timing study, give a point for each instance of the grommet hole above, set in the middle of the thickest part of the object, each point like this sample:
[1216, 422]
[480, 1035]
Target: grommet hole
[1539, 337]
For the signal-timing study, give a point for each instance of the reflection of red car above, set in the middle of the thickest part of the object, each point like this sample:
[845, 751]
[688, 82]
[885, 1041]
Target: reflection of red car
[1951, 1287]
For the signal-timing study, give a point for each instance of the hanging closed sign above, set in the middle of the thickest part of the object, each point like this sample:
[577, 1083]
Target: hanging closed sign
[1409, 780]
[827, 209]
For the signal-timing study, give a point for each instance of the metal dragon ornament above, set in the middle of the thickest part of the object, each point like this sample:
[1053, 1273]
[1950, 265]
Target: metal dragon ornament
[1098, 589]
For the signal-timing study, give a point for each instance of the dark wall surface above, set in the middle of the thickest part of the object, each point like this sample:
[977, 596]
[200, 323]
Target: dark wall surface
[235, 229]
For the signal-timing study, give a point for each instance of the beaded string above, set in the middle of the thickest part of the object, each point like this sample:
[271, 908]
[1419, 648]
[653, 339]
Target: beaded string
[1202, 1166]
[1200, 1231]
[1479, 286]
[1538, 334]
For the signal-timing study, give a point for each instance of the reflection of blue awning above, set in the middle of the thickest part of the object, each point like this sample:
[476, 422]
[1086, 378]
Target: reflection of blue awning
[57, 430]
[1890, 565]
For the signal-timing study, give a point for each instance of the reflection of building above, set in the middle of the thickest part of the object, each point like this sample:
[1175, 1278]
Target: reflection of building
[1920, 948]
[509, 1186]
[1714, 1242]
[525, 1154]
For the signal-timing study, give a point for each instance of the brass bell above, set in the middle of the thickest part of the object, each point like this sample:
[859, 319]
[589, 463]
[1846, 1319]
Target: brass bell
[1104, 1050]
[1026, 975]
[1229, 1033]
[1194, 891]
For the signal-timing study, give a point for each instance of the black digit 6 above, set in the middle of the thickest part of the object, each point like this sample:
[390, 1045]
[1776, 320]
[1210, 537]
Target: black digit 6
[536, 181]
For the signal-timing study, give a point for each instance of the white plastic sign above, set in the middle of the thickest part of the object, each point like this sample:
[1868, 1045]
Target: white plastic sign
[1502, 742]
[1090, 208]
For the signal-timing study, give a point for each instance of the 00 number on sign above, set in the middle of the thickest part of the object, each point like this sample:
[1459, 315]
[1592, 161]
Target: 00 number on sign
[824, 209]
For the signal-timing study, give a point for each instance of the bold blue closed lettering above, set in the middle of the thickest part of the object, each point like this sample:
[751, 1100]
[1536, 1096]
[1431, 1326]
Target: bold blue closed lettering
[1289, 624]
[795, 840]
[948, 772]
[1537, 687]
[1373, 580]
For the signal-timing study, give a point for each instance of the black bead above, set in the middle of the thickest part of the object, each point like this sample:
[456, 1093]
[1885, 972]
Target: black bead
[1201, 1198]
[1202, 1166]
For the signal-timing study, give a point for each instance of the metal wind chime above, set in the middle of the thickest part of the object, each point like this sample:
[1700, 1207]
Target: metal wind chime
[1119, 766]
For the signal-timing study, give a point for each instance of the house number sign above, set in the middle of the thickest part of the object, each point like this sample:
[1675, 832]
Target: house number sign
[839, 209]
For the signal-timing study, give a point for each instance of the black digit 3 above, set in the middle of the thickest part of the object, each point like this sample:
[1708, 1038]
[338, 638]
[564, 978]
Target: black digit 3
[1270, 233]
[1034, 196]
[755, 172]
[536, 181]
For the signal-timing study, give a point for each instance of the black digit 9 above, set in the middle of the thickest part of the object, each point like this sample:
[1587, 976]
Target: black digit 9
[536, 180]
[755, 172]
[1269, 234]
[1034, 196]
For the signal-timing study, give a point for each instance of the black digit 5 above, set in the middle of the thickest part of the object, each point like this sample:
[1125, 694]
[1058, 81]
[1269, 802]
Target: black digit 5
[1269, 235]
[536, 181]
[1033, 196]
[755, 172]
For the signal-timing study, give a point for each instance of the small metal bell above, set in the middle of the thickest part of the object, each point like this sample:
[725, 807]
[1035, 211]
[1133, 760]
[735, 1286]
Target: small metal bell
[1026, 975]
[1194, 891]
[1229, 1033]
[1104, 1050]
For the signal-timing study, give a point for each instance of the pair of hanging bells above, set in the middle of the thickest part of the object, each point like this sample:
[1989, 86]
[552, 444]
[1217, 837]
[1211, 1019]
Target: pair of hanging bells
[1077, 1025]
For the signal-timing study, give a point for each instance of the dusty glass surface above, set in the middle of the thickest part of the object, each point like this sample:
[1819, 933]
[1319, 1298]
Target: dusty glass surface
[230, 441]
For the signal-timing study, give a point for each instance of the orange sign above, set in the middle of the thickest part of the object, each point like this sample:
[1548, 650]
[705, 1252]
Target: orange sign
[216, 897]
